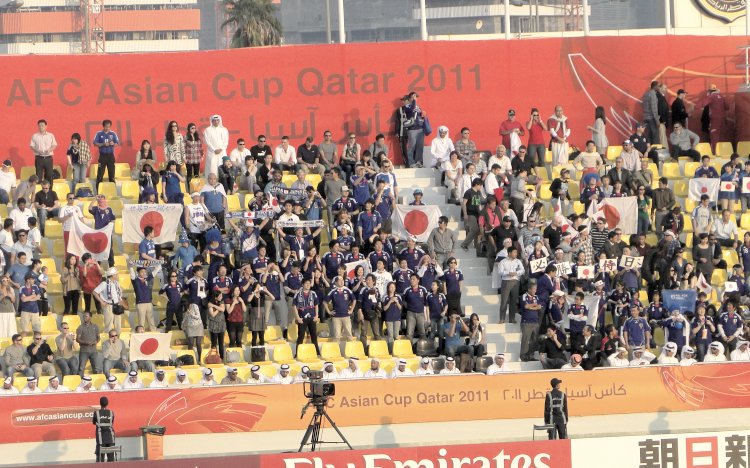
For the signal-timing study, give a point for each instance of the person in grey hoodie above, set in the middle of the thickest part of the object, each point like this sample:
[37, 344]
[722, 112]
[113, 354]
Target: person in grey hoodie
[651, 111]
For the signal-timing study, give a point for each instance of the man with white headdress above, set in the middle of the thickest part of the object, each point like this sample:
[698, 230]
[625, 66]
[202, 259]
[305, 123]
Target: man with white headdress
[31, 386]
[401, 370]
[641, 356]
[283, 376]
[55, 386]
[498, 365]
[687, 357]
[741, 352]
[715, 353]
[620, 358]
[86, 384]
[256, 376]
[302, 376]
[329, 371]
[668, 354]
[441, 147]
[375, 371]
[216, 137]
[208, 378]
[181, 380]
[8, 388]
[133, 382]
[425, 367]
[352, 371]
[160, 380]
[111, 384]
[450, 367]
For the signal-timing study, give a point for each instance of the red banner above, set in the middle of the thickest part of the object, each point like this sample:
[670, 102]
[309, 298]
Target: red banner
[302, 90]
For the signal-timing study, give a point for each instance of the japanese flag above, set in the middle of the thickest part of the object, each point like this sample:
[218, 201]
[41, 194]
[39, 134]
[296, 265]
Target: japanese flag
[586, 272]
[351, 266]
[727, 186]
[746, 185]
[150, 346]
[163, 218]
[619, 212]
[703, 285]
[84, 239]
[273, 203]
[703, 186]
[565, 226]
[416, 221]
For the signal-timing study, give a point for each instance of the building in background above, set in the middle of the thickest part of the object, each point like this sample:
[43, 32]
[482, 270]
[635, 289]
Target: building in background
[95, 26]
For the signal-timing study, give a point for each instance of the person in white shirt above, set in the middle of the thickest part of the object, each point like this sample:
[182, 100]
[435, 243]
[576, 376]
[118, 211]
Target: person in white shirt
[441, 147]
[715, 353]
[351, 372]
[7, 181]
[687, 357]
[574, 364]
[216, 137]
[401, 370]
[67, 214]
[631, 157]
[160, 380]
[502, 160]
[285, 156]
[181, 380]
[641, 357]
[491, 182]
[208, 378]
[741, 353]
[31, 386]
[238, 155]
[256, 377]
[111, 384]
[620, 358]
[668, 354]
[329, 371]
[283, 376]
[510, 272]
[8, 388]
[375, 372]
[55, 387]
[425, 367]
[725, 229]
[20, 216]
[498, 365]
[132, 382]
[450, 367]
[453, 168]
[85, 385]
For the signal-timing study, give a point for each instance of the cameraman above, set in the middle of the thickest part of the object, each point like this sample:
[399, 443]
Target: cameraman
[453, 341]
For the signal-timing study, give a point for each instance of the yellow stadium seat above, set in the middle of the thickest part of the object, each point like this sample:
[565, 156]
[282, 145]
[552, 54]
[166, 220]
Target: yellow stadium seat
[681, 188]
[130, 189]
[282, 354]
[306, 353]
[578, 207]
[689, 242]
[704, 149]
[314, 179]
[719, 277]
[72, 381]
[233, 203]
[117, 205]
[354, 349]
[671, 170]
[196, 184]
[49, 323]
[27, 171]
[743, 148]
[745, 221]
[122, 171]
[53, 229]
[548, 157]
[544, 192]
[718, 166]
[688, 224]
[690, 205]
[690, 168]
[613, 152]
[54, 287]
[724, 149]
[730, 256]
[93, 170]
[288, 179]
[118, 226]
[97, 380]
[379, 349]
[651, 239]
[62, 189]
[402, 349]
[107, 188]
[574, 190]
[273, 335]
[331, 351]
[50, 264]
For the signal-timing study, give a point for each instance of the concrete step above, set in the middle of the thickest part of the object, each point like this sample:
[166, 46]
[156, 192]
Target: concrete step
[413, 173]
[409, 184]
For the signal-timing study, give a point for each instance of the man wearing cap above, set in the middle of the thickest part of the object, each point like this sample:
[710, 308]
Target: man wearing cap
[8, 388]
[414, 124]
[110, 384]
[55, 387]
[497, 366]
[401, 370]
[283, 377]
[104, 420]
[109, 294]
[450, 367]
[132, 382]
[556, 411]
[508, 127]
[31, 386]
[231, 377]
[86, 385]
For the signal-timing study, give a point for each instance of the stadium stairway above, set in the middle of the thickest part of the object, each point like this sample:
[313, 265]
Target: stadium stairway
[477, 295]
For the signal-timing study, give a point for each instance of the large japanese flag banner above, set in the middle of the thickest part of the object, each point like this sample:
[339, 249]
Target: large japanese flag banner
[150, 346]
[163, 218]
[415, 221]
[703, 186]
[352, 266]
[619, 212]
[746, 185]
[84, 239]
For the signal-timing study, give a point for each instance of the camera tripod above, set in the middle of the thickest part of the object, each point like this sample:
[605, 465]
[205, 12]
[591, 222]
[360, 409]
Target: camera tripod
[312, 434]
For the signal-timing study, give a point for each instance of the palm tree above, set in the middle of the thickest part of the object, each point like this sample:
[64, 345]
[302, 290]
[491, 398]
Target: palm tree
[254, 23]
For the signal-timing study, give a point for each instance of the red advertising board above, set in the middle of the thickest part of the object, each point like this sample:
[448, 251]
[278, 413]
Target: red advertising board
[302, 90]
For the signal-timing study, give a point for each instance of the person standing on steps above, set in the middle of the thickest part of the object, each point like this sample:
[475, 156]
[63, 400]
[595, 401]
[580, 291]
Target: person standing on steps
[556, 411]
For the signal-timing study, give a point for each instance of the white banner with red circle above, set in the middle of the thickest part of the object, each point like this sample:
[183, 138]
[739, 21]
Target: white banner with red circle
[150, 346]
[163, 218]
[417, 221]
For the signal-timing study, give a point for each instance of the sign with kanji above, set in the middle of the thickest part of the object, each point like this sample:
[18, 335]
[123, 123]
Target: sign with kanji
[538, 265]
[608, 265]
[631, 263]
[564, 268]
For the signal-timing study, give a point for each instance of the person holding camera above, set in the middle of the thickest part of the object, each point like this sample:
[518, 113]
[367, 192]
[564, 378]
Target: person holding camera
[109, 295]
